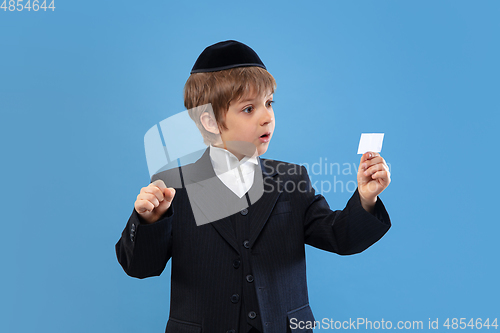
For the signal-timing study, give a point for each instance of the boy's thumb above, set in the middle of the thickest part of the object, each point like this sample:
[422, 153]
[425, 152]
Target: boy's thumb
[169, 193]
[160, 184]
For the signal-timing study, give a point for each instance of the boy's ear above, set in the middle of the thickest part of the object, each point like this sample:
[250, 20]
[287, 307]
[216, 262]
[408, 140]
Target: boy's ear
[209, 123]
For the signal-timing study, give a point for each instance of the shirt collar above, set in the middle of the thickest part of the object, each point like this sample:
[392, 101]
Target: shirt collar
[223, 160]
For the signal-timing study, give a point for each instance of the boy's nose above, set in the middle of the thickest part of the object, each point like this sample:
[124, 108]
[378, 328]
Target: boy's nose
[267, 117]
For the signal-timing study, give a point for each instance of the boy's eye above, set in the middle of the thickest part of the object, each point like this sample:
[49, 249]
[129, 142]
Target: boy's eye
[248, 109]
[269, 103]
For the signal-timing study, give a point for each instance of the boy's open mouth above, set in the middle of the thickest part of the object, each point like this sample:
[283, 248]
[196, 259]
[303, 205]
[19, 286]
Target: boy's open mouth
[265, 137]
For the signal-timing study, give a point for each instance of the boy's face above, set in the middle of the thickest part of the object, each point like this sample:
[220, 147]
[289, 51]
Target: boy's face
[249, 120]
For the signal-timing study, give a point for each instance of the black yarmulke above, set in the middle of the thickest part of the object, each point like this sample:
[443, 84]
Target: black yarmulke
[225, 55]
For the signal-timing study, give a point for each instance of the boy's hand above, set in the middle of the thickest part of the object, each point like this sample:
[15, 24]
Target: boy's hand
[373, 178]
[153, 201]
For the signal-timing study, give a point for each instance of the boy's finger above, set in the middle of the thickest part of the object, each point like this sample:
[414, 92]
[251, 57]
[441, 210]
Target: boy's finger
[169, 193]
[144, 206]
[383, 176]
[374, 161]
[374, 168]
[149, 197]
[364, 157]
[153, 189]
[368, 156]
[368, 159]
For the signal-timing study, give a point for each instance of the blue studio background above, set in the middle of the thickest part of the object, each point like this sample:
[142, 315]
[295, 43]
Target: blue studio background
[81, 85]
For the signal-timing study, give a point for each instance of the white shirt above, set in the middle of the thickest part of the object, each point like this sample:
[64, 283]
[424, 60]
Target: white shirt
[236, 175]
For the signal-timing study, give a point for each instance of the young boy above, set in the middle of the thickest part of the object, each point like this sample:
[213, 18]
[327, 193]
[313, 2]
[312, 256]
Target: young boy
[244, 272]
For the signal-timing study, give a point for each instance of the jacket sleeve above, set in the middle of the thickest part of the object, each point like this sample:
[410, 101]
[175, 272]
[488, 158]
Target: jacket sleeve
[348, 231]
[144, 249]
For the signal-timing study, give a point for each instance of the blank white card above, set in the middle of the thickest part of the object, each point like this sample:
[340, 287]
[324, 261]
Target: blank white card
[370, 142]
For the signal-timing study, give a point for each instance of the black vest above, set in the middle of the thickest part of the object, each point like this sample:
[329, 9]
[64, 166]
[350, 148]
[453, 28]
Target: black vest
[249, 313]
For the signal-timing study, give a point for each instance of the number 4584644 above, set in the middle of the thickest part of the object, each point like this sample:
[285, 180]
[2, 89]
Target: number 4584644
[20, 5]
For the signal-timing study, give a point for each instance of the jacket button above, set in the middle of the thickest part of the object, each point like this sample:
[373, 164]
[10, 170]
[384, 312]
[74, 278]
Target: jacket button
[132, 232]
[236, 263]
[252, 315]
[244, 212]
[235, 298]
[246, 244]
[250, 278]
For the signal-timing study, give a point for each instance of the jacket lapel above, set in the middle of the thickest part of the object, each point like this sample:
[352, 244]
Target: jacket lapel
[225, 229]
[261, 210]
[202, 184]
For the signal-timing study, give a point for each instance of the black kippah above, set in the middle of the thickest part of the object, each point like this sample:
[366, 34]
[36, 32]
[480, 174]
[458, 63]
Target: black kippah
[225, 55]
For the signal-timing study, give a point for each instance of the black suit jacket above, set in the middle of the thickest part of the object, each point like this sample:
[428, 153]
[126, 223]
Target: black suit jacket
[287, 216]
